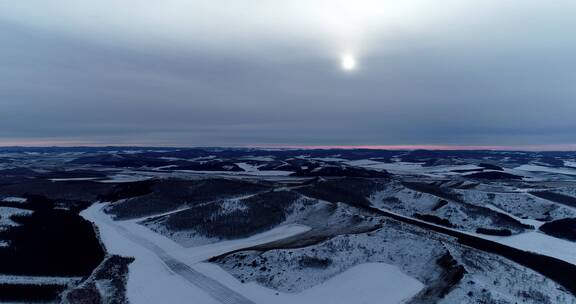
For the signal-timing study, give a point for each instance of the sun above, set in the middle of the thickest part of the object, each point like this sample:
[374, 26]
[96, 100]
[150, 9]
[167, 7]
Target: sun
[348, 62]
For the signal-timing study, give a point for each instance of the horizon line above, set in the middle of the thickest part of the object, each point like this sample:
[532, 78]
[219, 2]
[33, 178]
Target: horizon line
[437, 147]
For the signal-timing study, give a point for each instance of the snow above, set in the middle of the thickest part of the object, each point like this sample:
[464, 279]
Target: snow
[396, 166]
[232, 205]
[540, 243]
[532, 241]
[15, 279]
[329, 159]
[122, 178]
[7, 212]
[534, 223]
[12, 199]
[150, 280]
[517, 202]
[73, 179]
[260, 158]
[253, 170]
[247, 167]
[399, 167]
[368, 283]
[251, 173]
[536, 168]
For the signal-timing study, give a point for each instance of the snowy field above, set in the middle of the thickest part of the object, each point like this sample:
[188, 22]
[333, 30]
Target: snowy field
[315, 235]
[371, 283]
[540, 243]
[14, 279]
[7, 212]
[12, 199]
[537, 168]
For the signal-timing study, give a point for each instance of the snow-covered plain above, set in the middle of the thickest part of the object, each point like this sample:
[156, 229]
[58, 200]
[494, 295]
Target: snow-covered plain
[13, 199]
[540, 243]
[532, 241]
[239, 173]
[399, 167]
[253, 170]
[531, 222]
[537, 168]
[15, 279]
[124, 178]
[71, 179]
[7, 212]
[368, 283]
[387, 265]
[151, 281]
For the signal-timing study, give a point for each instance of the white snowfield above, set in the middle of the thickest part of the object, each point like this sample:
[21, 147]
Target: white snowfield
[369, 283]
[7, 212]
[13, 199]
[73, 179]
[166, 272]
[15, 279]
[399, 167]
[536, 168]
[534, 223]
[124, 178]
[252, 172]
[540, 243]
[532, 241]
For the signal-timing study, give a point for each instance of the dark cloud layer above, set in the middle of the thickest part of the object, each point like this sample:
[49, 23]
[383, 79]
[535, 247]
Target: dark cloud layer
[505, 82]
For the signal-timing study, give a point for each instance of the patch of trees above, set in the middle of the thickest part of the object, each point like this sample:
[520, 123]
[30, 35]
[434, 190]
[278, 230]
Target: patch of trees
[490, 167]
[50, 242]
[564, 229]
[257, 214]
[314, 262]
[496, 232]
[556, 197]
[434, 219]
[168, 195]
[493, 175]
[30, 293]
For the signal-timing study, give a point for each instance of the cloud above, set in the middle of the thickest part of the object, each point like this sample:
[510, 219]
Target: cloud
[234, 72]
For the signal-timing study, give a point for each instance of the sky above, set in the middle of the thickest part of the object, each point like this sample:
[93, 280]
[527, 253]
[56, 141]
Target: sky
[288, 73]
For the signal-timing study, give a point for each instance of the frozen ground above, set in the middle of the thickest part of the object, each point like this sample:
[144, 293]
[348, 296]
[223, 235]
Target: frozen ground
[14, 279]
[369, 283]
[124, 178]
[540, 243]
[156, 255]
[336, 250]
[241, 173]
[6, 214]
[12, 199]
[534, 241]
[537, 168]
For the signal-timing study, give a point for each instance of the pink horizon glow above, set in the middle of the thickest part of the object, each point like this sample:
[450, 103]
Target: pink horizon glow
[551, 147]
[53, 142]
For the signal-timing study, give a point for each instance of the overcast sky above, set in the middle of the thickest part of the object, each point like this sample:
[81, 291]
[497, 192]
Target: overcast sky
[263, 72]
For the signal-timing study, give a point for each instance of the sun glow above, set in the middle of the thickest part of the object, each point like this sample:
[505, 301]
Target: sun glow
[348, 62]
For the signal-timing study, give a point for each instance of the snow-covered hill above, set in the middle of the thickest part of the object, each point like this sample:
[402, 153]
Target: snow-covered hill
[154, 225]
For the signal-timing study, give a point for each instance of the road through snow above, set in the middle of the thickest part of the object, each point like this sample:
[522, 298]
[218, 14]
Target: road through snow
[121, 237]
[212, 287]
